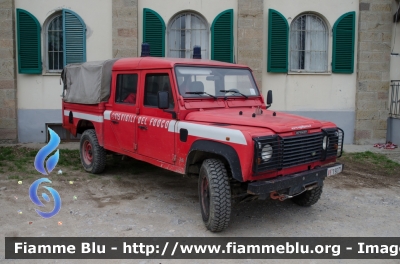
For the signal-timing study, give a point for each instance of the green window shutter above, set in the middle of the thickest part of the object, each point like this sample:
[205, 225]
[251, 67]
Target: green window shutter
[74, 37]
[222, 37]
[29, 44]
[154, 32]
[343, 44]
[278, 42]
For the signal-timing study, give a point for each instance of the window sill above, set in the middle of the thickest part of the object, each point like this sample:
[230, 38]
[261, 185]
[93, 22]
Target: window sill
[309, 73]
[51, 73]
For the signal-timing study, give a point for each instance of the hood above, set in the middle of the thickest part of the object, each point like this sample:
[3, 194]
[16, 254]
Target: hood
[280, 123]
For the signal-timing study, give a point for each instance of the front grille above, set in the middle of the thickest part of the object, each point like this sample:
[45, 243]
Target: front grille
[297, 150]
[301, 149]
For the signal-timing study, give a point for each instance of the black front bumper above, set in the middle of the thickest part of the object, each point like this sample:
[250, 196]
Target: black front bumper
[291, 184]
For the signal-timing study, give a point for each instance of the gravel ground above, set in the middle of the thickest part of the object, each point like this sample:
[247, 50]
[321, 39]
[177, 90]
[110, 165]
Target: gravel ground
[159, 203]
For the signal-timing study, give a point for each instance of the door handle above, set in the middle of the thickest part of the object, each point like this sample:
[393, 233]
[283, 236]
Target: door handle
[143, 127]
[114, 121]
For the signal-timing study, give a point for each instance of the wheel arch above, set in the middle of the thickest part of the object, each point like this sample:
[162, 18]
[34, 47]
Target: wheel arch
[83, 125]
[205, 149]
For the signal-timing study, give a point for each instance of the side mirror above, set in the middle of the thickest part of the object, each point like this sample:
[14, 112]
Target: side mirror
[269, 99]
[163, 100]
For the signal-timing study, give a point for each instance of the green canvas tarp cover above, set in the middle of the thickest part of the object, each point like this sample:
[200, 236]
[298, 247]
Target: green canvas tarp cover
[88, 82]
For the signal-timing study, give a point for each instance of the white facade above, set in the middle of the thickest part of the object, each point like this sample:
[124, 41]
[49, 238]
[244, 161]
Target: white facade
[329, 96]
[312, 91]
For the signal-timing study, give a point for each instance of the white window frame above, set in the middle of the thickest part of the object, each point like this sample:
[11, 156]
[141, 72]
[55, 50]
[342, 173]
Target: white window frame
[308, 50]
[46, 38]
[188, 31]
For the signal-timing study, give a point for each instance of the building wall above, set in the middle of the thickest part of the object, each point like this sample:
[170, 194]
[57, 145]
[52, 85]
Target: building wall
[124, 28]
[250, 28]
[324, 96]
[8, 84]
[375, 36]
[355, 102]
[39, 96]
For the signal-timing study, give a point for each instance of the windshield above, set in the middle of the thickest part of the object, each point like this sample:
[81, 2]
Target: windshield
[196, 82]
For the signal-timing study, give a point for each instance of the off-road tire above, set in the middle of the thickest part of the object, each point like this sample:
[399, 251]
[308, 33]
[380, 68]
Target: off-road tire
[308, 198]
[93, 156]
[214, 187]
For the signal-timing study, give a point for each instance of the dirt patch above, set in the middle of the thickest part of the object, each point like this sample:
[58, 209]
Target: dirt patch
[135, 199]
[367, 170]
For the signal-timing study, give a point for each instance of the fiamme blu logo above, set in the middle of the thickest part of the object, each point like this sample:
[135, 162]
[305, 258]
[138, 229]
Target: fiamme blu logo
[40, 162]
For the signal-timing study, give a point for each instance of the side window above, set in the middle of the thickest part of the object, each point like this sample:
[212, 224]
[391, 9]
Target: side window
[157, 83]
[126, 88]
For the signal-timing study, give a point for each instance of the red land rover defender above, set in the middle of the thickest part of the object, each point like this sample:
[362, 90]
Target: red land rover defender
[201, 118]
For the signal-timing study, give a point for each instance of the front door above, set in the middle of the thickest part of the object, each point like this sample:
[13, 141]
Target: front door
[155, 127]
[123, 116]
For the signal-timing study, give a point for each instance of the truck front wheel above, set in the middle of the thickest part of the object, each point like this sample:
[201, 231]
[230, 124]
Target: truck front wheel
[308, 198]
[93, 156]
[215, 195]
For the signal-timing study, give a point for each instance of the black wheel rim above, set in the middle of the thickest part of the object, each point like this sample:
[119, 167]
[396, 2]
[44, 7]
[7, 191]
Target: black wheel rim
[205, 197]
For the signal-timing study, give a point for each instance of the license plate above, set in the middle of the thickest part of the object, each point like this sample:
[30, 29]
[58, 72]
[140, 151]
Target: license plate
[334, 170]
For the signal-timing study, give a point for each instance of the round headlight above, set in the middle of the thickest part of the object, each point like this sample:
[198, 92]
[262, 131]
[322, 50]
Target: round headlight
[325, 142]
[266, 152]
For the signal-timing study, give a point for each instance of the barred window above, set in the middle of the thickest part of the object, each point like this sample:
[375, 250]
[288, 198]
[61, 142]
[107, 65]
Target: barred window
[184, 32]
[65, 40]
[308, 44]
[55, 44]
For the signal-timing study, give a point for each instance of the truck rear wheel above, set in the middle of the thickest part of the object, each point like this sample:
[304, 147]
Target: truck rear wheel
[215, 195]
[93, 156]
[308, 198]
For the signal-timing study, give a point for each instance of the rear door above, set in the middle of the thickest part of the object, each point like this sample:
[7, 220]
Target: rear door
[155, 127]
[123, 116]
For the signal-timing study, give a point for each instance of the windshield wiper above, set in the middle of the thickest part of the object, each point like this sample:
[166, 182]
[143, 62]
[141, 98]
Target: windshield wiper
[198, 93]
[234, 91]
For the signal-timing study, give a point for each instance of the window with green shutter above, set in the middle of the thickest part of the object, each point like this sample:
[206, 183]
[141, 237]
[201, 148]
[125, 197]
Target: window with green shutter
[222, 37]
[154, 32]
[65, 37]
[29, 44]
[278, 39]
[343, 44]
[65, 41]
[74, 37]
